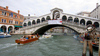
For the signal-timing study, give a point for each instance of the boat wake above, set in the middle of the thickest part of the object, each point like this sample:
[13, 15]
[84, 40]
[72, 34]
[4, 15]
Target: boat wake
[41, 38]
[3, 46]
[45, 38]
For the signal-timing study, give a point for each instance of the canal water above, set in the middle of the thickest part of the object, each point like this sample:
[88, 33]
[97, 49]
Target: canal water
[55, 46]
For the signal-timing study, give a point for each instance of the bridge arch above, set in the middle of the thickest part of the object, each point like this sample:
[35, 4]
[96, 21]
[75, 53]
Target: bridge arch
[43, 29]
[3, 28]
[82, 22]
[96, 24]
[70, 19]
[10, 28]
[76, 20]
[89, 22]
[48, 18]
[38, 21]
[25, 24]
[64, 18]
[33, 22]
[29, 23]
[43, 19]
[56, 14]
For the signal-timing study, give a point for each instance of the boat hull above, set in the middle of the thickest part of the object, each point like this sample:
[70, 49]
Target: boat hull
[26, 41]
[3, 36]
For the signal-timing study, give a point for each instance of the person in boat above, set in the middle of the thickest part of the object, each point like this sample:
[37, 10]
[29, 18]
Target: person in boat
[23, 38]
[26, 37]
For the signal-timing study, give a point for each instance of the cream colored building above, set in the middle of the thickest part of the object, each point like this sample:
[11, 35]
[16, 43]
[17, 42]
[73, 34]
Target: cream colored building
[29, 17]
[96, 12]
[87, 14]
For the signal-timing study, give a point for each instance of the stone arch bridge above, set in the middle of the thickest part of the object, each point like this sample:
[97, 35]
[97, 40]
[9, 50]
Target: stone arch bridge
[74, 22]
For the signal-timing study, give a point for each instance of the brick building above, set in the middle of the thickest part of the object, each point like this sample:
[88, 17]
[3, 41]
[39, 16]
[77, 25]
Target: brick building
[10, 20]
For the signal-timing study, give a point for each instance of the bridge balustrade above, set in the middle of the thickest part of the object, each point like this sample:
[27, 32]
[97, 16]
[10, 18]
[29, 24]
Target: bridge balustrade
[63, 23]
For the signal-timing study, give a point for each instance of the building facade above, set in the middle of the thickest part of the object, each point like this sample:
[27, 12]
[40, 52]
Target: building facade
[96, 12]
[87, 14]
[10, 20]
[29, 17]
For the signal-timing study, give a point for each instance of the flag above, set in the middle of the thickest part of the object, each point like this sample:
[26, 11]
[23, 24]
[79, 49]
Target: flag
[11, 14]
[14, 14]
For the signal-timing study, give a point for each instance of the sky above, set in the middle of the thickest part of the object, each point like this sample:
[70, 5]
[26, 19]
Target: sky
[42, 7]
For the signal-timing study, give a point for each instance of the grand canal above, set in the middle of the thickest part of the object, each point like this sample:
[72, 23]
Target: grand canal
[55, 46]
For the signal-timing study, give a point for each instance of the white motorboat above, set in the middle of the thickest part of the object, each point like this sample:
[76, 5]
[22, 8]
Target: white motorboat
[3, 35]
[46, 35]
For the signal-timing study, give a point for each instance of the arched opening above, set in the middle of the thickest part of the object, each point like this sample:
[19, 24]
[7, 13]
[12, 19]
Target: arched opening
[96, 24]
[70, 19]
[25, 24]
[3, 28]
[64, 18]
[43, 19]
[38, 21]
[82, 22]
[76, 20]
[29, 23]
[88, 22]
[56, 15]
[10, 28]
[33, 22]
[43, 29]
[48, 18]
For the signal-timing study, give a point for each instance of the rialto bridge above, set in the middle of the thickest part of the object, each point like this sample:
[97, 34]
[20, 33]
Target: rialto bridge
[40, 24]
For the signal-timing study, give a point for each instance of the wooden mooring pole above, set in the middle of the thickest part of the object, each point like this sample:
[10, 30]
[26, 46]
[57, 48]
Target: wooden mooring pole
[99, 48]
[84, 48]
[90, 48]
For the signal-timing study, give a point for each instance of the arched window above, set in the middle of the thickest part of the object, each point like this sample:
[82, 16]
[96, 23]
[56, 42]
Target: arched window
[43, 19]
[82, 22]
[48, 18]
[76, 20]
[56, 15]
[10, 28]
[64, 18]
[29, 23]
[33, 22]
[70, 19]
[38, 21]
[96, 24]
[3, 28]
[88, 22]
[25, 24]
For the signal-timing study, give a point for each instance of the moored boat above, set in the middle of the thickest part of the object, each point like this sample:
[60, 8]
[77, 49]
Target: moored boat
[46, 35]
[27, 38]
[95, 43]
[4, 35]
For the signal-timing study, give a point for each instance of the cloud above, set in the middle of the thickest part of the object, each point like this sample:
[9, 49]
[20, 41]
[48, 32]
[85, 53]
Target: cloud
[41, 7]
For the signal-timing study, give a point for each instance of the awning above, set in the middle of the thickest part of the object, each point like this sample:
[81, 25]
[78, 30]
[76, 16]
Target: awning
[17, 26]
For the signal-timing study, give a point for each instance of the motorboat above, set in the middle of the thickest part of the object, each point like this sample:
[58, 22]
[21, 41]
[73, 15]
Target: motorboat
[80, 39]
[46, 35]
[4, 35]
[27, 38]
[96, 42]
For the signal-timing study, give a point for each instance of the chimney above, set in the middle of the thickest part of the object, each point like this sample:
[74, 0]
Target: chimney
[18, 11]
[6, 7]
[28, 14]
[96, 4]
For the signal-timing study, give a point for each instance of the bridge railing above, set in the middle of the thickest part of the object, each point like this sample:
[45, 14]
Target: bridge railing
[63, 22]
[74, 24]
[46, 22]
[35, 25]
